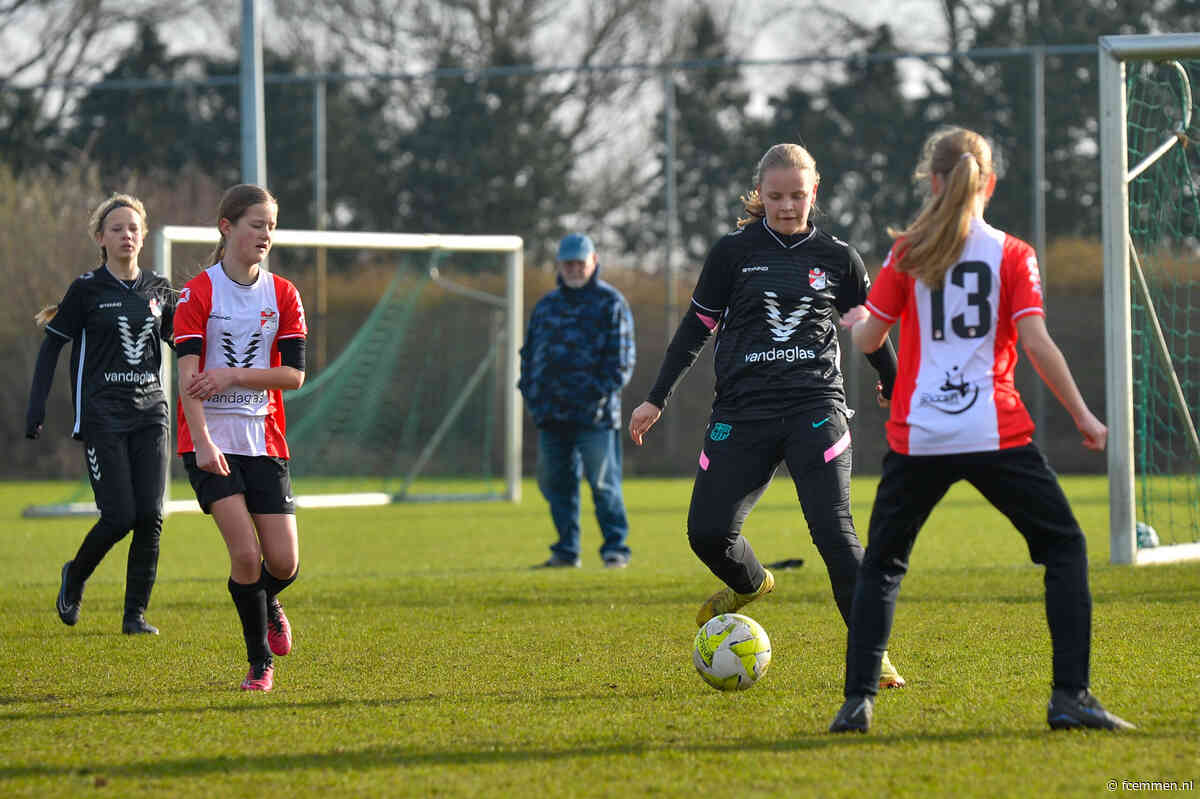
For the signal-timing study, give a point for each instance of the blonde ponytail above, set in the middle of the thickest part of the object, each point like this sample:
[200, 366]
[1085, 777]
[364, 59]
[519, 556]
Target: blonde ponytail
[934, 241]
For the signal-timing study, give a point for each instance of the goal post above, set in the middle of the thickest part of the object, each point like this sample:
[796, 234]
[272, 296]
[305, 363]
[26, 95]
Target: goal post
[402, 413]
[1151, 240]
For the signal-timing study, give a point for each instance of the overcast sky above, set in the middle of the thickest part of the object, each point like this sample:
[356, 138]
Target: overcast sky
[762, 28]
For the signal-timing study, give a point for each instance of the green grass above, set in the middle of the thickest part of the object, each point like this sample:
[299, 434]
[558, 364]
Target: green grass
[430, 661]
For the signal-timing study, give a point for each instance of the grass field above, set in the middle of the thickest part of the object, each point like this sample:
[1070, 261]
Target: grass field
[430, 660]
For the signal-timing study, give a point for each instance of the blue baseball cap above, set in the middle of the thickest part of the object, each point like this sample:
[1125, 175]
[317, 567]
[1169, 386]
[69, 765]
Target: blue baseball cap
[575, 247]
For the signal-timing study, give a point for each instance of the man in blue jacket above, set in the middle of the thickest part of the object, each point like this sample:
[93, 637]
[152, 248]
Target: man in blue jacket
[578, 355]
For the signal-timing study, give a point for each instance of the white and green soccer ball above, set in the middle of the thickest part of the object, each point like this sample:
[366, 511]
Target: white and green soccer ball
[731, 652]
[1147, 536]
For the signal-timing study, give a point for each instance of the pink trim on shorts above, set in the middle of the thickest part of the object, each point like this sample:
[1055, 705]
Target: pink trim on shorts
[838, 448]
[709, 321]
[704, 460]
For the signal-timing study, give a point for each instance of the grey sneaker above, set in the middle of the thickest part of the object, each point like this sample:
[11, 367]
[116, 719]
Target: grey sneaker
[615, 560]
[1074, 710]
[68, 603]
[137, 625]
[559, 562]
[855, 715]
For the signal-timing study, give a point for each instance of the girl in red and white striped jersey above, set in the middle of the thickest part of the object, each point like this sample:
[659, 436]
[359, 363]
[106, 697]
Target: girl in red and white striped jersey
[239, 335]
[963, 293]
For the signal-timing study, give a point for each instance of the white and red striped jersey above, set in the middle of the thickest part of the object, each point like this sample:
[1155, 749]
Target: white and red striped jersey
[954, 389]
[239, 326]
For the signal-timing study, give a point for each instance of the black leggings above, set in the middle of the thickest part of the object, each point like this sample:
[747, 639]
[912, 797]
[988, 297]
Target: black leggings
[736, 466]
[128, 472]
[1020, 484]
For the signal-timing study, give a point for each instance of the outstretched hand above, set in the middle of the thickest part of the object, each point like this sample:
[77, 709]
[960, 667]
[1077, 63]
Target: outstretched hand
[643, 418]
[853, 316]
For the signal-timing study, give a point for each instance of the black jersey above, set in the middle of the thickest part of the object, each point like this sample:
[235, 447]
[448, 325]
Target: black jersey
[771, 300]
[116, 360]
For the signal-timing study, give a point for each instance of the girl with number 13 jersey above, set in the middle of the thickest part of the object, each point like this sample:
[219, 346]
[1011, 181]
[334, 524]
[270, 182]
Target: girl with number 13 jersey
[954, 388]
[963, 292]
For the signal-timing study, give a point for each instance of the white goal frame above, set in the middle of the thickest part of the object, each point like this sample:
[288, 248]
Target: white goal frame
[512, 247]
[1115, 176]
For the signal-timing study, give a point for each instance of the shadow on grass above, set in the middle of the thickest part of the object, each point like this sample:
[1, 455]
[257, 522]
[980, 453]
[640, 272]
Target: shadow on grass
[255, 703]
[341, 759]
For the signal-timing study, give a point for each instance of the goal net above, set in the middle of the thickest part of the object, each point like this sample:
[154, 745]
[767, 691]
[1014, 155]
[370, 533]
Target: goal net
[1151, 176]
[417, 353]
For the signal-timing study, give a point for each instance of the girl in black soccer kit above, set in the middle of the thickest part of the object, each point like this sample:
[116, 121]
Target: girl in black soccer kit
[239, 335]
[769, 291]
[114, 317]
[963, 292]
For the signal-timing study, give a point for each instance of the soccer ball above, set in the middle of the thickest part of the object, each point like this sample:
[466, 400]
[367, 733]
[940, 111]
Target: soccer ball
[731, 652]
[1147, 536]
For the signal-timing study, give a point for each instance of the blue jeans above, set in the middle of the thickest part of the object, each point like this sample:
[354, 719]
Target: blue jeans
[564, 455]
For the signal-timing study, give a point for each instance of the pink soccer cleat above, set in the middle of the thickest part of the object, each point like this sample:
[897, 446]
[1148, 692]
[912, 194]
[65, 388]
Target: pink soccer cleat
[279, 631]
[261, 677]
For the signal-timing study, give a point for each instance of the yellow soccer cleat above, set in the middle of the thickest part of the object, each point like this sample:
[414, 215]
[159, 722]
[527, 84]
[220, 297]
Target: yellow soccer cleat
[888, 676]
[729, 601]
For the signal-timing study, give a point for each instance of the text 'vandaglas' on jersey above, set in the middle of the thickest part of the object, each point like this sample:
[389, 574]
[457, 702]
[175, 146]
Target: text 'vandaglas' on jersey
[239, 326]
[771, 300]
[115, 354]
[955, 390]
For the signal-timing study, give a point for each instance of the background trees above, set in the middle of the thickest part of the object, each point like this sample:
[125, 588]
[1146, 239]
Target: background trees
[537, 116]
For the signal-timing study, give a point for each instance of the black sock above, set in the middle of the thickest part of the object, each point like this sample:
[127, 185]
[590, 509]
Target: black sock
[251, 604]
[272, 584]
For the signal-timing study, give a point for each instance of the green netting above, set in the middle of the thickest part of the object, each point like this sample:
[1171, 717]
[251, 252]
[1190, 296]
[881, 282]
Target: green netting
[1164, 219]
[407, 406]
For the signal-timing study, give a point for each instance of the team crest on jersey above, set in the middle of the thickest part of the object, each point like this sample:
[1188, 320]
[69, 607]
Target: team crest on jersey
[817, 279]
[720, 431]
[268, 320]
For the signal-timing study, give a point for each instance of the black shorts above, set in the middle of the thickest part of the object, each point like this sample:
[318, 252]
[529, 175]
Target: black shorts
[263, 479]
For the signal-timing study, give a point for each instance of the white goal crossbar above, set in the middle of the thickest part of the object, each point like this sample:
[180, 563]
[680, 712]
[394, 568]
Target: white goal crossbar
[1115, 176]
